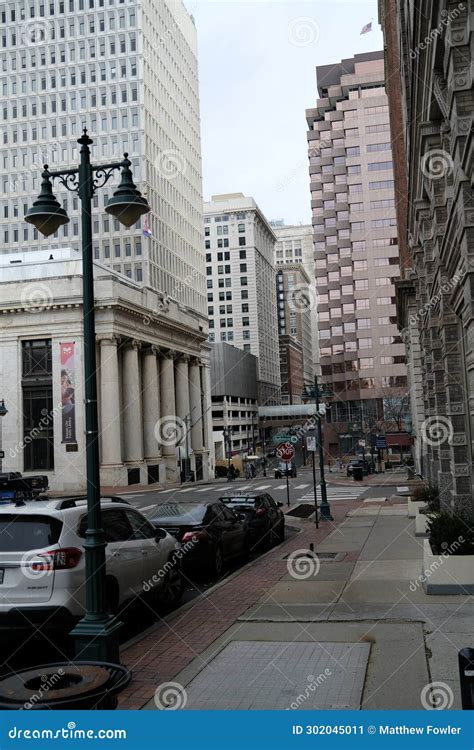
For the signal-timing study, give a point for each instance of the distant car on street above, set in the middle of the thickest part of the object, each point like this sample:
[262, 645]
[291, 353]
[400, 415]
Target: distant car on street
[210, 533]
[357, 463]
[42, 562]
[266, 521]
[285, 469]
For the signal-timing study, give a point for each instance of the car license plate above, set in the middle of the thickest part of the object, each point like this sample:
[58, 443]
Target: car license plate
[2, 572]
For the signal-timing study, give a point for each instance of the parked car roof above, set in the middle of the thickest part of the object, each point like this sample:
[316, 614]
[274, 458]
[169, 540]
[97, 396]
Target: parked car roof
[187, 513]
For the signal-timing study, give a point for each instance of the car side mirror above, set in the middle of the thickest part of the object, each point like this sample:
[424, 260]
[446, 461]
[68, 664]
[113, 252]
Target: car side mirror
[280, 505]
[160, 534]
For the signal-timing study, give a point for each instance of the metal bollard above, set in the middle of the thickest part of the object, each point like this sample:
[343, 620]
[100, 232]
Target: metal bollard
[466, 677]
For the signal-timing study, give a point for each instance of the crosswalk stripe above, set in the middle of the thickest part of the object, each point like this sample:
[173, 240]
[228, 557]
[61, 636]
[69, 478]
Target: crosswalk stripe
[264, 487]
[301, 486]
[147, 507]
[281, 487]
[188, 489]
[203, 489]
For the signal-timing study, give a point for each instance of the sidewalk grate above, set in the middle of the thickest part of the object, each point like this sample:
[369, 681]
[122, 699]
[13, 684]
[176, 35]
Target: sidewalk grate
[321, 556]
[301, 511]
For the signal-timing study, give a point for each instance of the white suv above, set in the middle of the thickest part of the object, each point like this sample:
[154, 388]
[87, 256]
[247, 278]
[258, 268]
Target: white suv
[42, 562]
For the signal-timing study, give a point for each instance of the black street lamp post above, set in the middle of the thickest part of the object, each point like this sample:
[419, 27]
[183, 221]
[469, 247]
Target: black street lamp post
[325, 510]
[3, 413]
[227, 432]
[96, 635]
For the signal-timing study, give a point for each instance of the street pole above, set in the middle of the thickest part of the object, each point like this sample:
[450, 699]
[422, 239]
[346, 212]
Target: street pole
[316, 516]
[287, 487]
[3, 413]
[96, 635]
[325, 509]
[264, 451]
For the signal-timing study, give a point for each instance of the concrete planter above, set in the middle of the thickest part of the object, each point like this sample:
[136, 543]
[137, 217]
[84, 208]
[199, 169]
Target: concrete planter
[447, 574]
[421, 524]
[413, 506]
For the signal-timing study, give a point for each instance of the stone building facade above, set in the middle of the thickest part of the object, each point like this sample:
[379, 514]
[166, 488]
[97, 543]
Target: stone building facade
[153, 376]
[435, 295]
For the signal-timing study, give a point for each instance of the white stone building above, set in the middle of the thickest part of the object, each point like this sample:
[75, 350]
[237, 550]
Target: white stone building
[153, 376]
[241, 295]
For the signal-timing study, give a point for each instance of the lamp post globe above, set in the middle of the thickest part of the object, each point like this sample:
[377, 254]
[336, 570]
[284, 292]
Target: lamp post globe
[127, 204]
[46, 213]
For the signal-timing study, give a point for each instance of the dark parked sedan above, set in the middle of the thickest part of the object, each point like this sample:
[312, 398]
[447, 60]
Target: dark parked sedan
[266, 522]
[210, 533]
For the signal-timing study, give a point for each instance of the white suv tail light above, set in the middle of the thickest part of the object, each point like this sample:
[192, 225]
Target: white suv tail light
[57, 559]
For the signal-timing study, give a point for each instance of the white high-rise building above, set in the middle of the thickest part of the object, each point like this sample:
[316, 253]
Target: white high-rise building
[128, 71]
[241, 295]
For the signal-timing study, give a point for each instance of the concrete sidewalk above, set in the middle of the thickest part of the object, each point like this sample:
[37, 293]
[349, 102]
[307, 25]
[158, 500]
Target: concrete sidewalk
[349, 628]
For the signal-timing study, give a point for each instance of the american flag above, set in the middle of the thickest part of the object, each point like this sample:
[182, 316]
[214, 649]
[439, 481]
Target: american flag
[366, 28]
[147, 230]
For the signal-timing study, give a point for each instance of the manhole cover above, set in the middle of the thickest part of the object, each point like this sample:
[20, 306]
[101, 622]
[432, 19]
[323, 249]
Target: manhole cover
[301, 511]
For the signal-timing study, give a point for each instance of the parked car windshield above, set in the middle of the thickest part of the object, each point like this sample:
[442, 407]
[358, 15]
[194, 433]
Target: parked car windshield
[24, 533]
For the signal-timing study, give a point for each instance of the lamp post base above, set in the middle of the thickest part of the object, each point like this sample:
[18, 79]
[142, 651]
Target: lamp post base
[325, 513]
[97, 640]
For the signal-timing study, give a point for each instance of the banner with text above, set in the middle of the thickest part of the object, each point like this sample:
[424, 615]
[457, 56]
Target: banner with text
[68, 402]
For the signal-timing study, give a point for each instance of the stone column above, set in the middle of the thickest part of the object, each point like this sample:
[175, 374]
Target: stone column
[196, 406]
[111, 451]
[182, 401]
[132, 407]
[151, 403]
[209, 463]
[167, 420]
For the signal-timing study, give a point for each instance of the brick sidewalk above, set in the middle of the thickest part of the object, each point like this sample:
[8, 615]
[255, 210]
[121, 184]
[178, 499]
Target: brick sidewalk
[174, 642]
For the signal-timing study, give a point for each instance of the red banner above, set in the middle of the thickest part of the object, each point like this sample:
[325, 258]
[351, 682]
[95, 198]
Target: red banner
[68, 402]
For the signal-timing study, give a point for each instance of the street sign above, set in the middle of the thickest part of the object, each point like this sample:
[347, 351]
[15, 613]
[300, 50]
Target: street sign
[279, 439]
[362, 443]
[285, 452]
[2, 454]
[310, 444]
[381, 441]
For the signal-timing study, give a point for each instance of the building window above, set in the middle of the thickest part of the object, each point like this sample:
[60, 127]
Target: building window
[37, 391]
[242, 241]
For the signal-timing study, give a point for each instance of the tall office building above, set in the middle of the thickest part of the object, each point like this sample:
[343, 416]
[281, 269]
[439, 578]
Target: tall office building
[356, 247]
[240, 244]
[295, 247]
[128, 72]
[294, 300]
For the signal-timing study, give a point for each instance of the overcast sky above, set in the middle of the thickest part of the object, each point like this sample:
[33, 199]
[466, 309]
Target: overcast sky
[257, 70]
